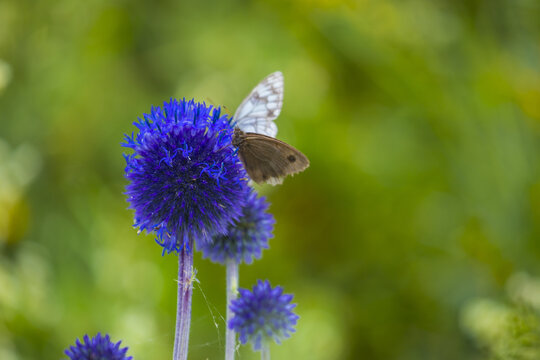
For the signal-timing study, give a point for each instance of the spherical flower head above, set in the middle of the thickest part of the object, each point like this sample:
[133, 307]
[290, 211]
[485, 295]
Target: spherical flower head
[185, 179]
[247, 237]
[97, 348]
[262, 314]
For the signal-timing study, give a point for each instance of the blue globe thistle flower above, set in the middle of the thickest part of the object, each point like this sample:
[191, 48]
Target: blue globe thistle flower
[185, 179]
[247, 237]
[97, 348]
[263, 314]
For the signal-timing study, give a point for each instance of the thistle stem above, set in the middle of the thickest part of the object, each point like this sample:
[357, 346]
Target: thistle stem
[232, 293]
[265, 351]
[183, 305]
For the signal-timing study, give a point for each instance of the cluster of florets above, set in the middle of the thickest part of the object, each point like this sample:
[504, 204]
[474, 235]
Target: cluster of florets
[263, 313]
[247, 237]
[97, 348]
[185, 179]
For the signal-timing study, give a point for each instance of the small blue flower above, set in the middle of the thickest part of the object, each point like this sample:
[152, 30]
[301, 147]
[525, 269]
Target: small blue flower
[263, 314]
[246, 238]
[97, 348]
[185, 179]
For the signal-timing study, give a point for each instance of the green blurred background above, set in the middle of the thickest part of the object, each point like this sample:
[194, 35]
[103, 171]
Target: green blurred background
[413, 235]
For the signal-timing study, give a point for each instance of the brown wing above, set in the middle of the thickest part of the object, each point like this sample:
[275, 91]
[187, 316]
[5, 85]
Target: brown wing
[270, 160]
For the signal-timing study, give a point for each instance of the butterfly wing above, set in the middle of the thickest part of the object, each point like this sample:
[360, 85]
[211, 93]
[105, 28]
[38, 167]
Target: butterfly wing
[257, 112]
[270, 160]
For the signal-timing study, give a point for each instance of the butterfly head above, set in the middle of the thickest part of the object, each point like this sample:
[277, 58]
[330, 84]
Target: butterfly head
[238, 137]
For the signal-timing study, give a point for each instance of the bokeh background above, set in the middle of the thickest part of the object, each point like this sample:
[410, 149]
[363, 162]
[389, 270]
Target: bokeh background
[413, 235]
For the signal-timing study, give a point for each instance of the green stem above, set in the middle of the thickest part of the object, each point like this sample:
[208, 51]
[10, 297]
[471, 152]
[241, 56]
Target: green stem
[232, 293]
[183, 305]
[265, 351]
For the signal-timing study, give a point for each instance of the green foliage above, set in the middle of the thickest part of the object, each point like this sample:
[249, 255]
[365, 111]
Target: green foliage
[506, 331]
[421, 121]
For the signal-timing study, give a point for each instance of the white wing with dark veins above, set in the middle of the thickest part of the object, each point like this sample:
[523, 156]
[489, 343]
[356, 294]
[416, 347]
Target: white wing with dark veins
[259, 109]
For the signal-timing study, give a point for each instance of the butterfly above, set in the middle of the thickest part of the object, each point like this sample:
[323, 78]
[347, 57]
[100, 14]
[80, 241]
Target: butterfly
[265, 158]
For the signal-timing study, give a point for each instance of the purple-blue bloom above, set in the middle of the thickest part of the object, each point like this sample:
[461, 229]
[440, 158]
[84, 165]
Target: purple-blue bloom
[185, 179]
[262, 314]
[97, 348]
[247, 237]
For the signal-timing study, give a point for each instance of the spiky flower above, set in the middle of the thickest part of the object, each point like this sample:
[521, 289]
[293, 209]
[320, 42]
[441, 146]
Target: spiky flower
[263, 314]
[97, 348]
[247, 237]
[185, 179]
